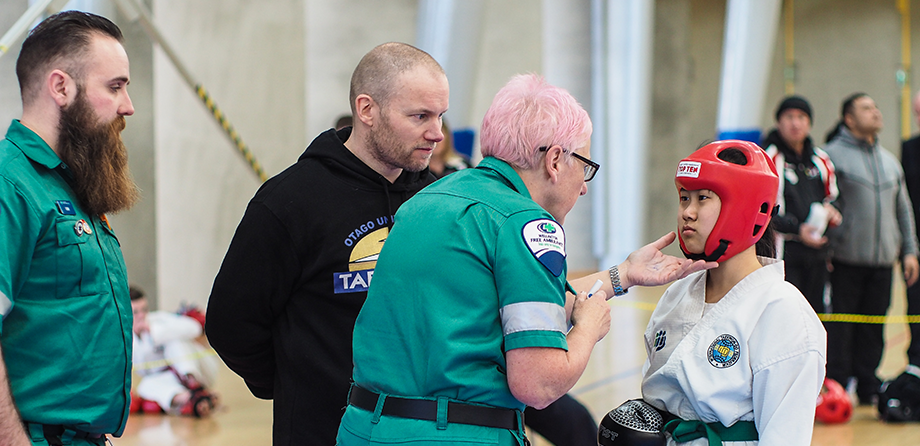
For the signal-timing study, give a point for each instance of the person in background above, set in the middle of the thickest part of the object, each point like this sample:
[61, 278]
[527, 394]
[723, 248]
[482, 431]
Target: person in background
[175, 370]
[344, 121]
[445, 159]
[807, 189]
[65, 375]
[284, 303]
[877, 230]
[910, 162]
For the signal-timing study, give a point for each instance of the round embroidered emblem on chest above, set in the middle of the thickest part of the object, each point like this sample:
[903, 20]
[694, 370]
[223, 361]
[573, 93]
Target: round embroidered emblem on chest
[724, 351]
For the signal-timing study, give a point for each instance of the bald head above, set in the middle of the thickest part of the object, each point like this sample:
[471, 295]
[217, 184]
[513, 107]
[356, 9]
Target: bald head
[377, 72]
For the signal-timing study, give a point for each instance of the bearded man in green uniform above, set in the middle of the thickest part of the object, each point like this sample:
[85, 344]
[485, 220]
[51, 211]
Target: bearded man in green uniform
[66, 315]
[469, 314]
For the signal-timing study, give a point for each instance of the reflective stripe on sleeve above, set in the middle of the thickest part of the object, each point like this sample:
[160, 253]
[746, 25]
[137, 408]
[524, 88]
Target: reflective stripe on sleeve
[5, 305]
[527, 316]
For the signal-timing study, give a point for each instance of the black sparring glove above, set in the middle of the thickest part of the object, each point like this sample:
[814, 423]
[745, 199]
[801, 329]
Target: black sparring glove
[633, 423]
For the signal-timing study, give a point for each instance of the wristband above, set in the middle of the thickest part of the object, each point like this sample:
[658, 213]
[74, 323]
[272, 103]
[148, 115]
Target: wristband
[615, 281]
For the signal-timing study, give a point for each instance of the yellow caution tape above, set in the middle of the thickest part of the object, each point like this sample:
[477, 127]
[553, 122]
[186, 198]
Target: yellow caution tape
[234, 136]
[826, 317]
[866, 319]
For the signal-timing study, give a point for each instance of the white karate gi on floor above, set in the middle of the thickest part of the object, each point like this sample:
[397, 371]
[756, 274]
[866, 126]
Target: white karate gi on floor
[170, 345]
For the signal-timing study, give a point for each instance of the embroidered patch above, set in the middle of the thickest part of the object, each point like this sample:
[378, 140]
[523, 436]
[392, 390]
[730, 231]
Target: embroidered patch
[689, 169]
[724, 351]
[546, 241]
[660, 339]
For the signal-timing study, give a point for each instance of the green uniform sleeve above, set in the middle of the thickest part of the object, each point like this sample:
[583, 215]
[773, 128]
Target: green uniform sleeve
[530, 279]
[18, 230]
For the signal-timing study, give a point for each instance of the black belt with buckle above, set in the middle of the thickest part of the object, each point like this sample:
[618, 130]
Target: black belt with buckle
[420, 409]
[54, 432]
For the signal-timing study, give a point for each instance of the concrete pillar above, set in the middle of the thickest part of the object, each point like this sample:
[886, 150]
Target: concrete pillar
[335, 39]
[567, 64]
[249, 56]
[747, 53]
[622, 108]
[10, 101]
[136, 227]
[450, 31]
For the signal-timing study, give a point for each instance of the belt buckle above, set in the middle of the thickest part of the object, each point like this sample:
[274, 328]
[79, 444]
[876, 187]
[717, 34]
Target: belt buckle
[520, 426]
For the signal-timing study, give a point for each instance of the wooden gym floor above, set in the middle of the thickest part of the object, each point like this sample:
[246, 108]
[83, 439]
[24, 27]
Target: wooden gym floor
[613, 376]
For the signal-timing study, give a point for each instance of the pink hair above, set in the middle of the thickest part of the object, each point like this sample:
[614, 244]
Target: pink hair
[529, 113]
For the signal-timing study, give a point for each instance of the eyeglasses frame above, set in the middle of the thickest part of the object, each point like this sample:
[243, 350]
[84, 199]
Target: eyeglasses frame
[591, 167]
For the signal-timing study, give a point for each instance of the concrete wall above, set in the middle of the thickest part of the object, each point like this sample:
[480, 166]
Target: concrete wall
[841, 46]
[567, 63]
[338, 34]
[136, 228]
[10, 102]
[250, 57]
[678, 122]
[279, 70]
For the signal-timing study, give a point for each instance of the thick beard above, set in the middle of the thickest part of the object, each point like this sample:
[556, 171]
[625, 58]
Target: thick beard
[387, 148]
[97, 158]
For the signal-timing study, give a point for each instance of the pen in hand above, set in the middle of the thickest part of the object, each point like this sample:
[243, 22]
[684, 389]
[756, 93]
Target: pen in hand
[597, 286]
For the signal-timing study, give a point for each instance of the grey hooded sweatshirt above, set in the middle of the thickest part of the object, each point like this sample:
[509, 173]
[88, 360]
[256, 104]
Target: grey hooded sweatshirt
[878, 222]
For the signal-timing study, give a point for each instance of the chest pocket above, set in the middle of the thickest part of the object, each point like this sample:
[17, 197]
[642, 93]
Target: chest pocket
[79, 260]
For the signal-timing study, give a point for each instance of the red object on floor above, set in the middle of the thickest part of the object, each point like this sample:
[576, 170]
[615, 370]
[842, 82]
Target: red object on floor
[834, 405]
[148, 406]
[194, 313]
[135, 405]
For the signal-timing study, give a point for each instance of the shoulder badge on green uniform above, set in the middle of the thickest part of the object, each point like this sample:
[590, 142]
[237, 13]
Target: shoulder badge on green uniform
[546, 241]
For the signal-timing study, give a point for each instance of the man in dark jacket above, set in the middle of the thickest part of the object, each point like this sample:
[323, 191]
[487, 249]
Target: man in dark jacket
[808, 186]
[296, 274]
[910, 161]
[877, 231]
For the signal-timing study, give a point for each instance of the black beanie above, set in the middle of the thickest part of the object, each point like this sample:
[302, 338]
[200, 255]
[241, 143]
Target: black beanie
[794, 102]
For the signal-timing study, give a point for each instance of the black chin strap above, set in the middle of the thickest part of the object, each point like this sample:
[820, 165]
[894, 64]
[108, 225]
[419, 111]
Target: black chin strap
[723, 245]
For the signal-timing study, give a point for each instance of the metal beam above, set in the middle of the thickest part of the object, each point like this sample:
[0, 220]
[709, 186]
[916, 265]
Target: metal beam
[22, 26]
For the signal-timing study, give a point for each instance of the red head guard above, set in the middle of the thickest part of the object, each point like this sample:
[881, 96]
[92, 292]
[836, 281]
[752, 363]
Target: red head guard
[748, 195]
[834, 405]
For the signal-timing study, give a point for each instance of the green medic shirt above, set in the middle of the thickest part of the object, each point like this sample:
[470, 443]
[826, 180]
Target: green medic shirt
[66, 328]
[472, 268]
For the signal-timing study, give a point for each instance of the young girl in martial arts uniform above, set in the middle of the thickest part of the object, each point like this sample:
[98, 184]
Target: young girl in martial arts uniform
[735, 353]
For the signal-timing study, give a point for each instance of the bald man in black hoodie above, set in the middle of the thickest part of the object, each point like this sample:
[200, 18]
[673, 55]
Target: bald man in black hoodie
[283, 306]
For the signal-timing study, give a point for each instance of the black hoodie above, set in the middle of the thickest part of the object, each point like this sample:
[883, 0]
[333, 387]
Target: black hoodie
[284, 304]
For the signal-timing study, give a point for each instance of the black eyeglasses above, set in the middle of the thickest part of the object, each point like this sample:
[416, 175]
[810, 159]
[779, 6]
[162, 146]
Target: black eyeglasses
[590, 166]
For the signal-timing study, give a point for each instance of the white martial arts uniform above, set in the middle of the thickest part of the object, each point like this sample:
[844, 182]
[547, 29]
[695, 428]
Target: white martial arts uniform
[756, 355]
[170, 343]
